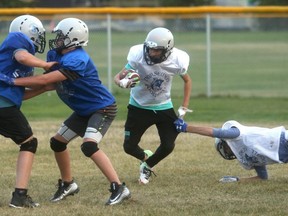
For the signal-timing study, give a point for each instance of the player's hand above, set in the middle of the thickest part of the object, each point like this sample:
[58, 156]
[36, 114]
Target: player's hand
[124, 82]
[6, 79]
[49, 65]
[130, 80]
[182, 111]
[181, 125]
[228, 179]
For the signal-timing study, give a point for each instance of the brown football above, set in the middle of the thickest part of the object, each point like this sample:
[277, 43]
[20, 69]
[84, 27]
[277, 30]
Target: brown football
[124, 74]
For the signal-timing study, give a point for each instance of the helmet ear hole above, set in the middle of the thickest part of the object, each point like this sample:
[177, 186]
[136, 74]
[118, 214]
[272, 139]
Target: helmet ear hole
[66, 41]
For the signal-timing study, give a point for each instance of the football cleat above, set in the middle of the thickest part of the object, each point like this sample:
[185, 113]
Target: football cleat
[22, 201]
[119, 193]
[65, 189]
[145, 173]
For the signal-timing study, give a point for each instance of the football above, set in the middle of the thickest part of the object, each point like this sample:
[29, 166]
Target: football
[124, 74]
[128, 79]
[133, 76]
[134, 79]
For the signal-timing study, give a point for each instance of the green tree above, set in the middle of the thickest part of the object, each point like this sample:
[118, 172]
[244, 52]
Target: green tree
[269, 2]
[16, 3]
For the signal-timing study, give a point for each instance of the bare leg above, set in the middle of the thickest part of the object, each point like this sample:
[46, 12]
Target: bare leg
[105, 165]
[63, 162]
[23, 170]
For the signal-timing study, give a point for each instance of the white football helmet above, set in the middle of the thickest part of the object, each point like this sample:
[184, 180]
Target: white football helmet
[158, 38]
[33, 28]
[224, 150]
[71, 32]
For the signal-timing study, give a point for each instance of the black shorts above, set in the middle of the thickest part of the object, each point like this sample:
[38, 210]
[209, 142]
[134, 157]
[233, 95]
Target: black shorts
[14, 125]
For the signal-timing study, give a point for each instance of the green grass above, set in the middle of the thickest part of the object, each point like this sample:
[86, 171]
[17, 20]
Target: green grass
[214, 109]
[245, 64]
[186, 182]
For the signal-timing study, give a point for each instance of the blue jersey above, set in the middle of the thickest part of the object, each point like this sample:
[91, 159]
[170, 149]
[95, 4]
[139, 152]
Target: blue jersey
[10, 67]
[85, 93]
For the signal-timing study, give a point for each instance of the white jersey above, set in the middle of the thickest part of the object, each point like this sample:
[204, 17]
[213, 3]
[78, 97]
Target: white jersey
[156, 80]
[255, 146]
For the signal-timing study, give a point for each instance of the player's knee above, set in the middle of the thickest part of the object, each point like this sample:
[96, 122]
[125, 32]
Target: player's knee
[167, 149]
[57, 146]
[129, 149]
[30, 145]
[89, 148]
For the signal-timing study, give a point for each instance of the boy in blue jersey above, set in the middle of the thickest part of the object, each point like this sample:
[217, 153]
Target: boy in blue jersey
[79, 87]
[26, 37]
[157, 61]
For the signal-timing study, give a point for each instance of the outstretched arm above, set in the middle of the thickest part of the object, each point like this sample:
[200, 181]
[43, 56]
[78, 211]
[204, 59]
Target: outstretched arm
[182, 126]
[40, 80]
[26, 58]
[30, 93]
[230, 133]
[206, 131]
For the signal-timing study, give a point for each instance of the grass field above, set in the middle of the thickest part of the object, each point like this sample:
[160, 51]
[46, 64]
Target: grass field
[186, 181]
[249, 85]
[214, 109]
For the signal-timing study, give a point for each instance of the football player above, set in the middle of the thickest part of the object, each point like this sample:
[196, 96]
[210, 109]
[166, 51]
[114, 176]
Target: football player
[156, 61]
[254, 147]
[17, 59]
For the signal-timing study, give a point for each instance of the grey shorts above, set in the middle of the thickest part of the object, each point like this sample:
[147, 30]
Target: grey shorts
[100, 120]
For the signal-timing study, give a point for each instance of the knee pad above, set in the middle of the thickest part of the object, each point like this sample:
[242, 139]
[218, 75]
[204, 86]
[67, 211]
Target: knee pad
[57, 146]
[66, 133]
[89, 148]
[30, 145]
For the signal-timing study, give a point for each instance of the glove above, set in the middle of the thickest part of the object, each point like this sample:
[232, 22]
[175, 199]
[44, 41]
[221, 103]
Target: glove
[182, 111]
[124, 82]
[6, 79]
[228, 179]
[180, 125]
[130, 80]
